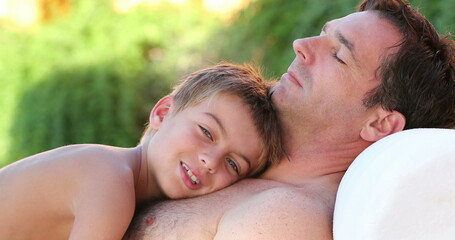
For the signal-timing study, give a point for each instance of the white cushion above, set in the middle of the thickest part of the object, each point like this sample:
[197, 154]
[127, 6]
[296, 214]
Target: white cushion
[401, 187]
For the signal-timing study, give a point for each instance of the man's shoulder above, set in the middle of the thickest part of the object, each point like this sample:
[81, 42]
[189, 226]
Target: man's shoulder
[296, 211]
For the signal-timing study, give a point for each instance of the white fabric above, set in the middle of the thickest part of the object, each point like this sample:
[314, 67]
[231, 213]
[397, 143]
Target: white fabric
[401, 187]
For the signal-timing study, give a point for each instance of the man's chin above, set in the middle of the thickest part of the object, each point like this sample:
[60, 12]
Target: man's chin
[281, 97]
[273, 89]
[276, 93]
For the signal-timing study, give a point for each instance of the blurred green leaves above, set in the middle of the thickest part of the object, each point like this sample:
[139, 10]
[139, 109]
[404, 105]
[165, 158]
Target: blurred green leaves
[93, 76]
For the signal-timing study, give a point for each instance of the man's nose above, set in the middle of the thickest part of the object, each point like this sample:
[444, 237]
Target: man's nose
[304, 49]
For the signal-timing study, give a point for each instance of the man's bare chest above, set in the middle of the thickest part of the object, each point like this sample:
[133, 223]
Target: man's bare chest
[194, 218]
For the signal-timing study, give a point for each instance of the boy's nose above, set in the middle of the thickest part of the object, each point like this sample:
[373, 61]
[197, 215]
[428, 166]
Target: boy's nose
[208, 166]
[211, 161]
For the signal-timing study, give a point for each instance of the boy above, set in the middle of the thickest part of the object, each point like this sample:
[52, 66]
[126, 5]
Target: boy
[216, 127]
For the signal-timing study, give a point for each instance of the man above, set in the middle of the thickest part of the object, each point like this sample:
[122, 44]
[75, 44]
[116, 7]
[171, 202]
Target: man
[368, 75]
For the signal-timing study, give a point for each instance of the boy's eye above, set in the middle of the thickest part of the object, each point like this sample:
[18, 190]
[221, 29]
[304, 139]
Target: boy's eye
[206, 132]
[233, 165]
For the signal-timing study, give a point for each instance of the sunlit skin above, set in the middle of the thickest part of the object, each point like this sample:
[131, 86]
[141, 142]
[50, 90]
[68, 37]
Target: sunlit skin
[90, 191]
[319, 101]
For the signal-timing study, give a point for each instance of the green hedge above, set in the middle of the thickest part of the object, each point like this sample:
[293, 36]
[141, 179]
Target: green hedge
[93, 76]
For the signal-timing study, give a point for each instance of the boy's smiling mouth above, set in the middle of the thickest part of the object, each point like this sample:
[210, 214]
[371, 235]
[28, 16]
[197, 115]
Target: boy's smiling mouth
[190, 174]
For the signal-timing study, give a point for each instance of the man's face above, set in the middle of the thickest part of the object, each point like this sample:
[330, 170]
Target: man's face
[327, 81]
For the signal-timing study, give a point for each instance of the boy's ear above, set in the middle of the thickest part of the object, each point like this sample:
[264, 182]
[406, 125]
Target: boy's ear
[159, 111]
[381, 124]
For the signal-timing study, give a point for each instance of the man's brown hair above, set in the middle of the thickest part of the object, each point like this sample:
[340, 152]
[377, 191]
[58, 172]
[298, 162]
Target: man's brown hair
[419, 79]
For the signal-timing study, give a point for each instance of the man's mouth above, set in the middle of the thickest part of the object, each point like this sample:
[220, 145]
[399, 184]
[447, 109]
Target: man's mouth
[190, 174]
[291, 77]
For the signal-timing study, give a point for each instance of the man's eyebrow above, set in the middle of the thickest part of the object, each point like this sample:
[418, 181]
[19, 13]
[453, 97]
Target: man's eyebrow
[343, 40]
[223, 130]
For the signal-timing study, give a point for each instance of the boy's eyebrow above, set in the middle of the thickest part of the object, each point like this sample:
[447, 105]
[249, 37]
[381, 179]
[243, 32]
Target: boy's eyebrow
[343, 40]
[223, 130]
[217, 120]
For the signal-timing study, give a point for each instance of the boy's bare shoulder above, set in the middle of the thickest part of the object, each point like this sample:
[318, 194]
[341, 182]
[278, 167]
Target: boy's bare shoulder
[105, 199]
[68, 162]
[82, 161]
[97, 157]
[69, 172]
[91, 161]
[102, 178]
[299, 212]
[76, 185]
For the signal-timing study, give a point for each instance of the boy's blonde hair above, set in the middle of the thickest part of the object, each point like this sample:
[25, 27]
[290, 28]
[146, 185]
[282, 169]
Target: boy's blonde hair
[245, 82]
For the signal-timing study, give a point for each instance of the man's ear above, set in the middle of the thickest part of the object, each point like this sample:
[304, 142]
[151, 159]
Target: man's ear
[159, 111]
[381, 124]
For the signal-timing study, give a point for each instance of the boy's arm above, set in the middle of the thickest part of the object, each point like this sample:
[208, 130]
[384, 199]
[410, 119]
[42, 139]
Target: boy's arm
[104, 206]
[282, 213]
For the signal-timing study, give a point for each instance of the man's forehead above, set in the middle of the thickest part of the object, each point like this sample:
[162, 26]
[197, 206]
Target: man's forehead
[367, 35]
[357, 18]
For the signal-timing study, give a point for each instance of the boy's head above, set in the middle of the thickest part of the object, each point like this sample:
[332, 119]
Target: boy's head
[243, 91]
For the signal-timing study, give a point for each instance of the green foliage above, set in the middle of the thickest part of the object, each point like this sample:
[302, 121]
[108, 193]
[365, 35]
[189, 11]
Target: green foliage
[439, 12]
[63, 109]
[94, 75]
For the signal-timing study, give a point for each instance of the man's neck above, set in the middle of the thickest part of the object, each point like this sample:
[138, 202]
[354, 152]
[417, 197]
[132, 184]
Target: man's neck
[316, 160]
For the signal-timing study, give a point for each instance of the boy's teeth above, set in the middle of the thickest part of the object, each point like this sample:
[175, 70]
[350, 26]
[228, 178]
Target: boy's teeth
[194, 178]
[190, 174]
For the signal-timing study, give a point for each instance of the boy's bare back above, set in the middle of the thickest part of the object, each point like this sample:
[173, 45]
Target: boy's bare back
[94, 182]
